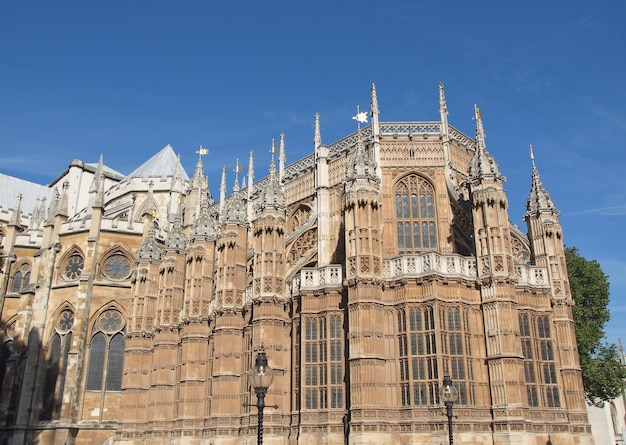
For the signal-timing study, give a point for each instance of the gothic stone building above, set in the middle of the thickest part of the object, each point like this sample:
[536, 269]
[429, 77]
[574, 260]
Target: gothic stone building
[134, 306]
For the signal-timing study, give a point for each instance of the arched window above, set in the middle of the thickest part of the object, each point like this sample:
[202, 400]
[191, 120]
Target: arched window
[73, 267]
[57, 365]
[106, 354]
[21, 278]
[415, 215]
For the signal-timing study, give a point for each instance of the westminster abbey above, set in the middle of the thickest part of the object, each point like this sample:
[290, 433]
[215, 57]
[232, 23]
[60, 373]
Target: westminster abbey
[133, 306]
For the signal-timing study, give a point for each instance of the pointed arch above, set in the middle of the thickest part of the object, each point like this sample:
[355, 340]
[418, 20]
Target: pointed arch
[72, 264]
[58, 349]
[20, 276]
[106, 347]
[116, 264]
[416, 214]
[298, 217]
[148, 206]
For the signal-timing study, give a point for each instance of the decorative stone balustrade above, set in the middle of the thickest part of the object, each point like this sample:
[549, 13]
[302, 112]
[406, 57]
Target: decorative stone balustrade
[311, 278]
[534, 276]
[424, 264]
[454, 266]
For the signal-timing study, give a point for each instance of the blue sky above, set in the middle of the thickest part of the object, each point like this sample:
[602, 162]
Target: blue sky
[125, 78]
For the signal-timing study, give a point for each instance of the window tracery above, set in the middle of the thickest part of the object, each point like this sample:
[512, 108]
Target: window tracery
[73, 267]
[106, 353]
[116, 267]
[539, 363]
[323, 371]
[298, 218]
[21, 278]
[415, 215]
[417, 351]
[56, 369]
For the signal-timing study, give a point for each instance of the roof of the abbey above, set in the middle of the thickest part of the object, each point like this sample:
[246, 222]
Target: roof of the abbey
[161, 165]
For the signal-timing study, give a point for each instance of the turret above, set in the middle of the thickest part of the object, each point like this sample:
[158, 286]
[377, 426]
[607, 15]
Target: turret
[138, 351]
[490, 211]
[547, 249]
[496, 274]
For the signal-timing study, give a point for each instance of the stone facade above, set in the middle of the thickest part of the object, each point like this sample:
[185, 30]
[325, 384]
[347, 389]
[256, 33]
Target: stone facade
[133, 309]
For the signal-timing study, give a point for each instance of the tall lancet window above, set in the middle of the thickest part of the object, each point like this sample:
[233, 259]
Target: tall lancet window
[539, 361]
[56, 368]
[415, 215]
[106, 355]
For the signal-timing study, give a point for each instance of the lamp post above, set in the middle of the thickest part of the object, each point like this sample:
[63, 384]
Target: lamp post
[261, 377]
[449, 394]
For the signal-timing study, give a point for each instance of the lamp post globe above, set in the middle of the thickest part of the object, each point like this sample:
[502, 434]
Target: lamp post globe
[261, 377]
[449, 394]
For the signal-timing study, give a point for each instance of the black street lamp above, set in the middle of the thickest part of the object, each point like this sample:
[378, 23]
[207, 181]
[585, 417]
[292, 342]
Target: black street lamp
[261, 377]
[449, 394]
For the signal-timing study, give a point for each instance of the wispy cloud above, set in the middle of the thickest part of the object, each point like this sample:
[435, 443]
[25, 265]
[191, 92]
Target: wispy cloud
[616, 210]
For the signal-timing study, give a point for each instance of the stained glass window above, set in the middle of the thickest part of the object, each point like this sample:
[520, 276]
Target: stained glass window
[117, 267]
[106, 352]
[415, 215]
[74, 267]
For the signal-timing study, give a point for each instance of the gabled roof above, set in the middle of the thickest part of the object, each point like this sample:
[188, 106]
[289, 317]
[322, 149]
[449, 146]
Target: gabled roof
[10, 187]
[161, 165]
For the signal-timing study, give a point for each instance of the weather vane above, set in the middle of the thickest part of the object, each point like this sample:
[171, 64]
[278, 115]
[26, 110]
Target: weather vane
[202, 151]
[360, 118]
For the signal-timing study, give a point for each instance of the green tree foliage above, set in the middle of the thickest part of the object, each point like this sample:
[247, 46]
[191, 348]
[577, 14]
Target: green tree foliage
[603, 374]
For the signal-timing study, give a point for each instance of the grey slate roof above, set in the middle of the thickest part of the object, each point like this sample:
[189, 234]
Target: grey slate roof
[10, 187]
[162, 164]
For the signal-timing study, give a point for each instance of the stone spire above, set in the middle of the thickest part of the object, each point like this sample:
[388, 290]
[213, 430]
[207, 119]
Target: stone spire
[16, 217]
[95, 183]
[39, 214]
[251, 174]
[281, 158]
[235, 208]
[237, 170]
[362, 167]
[317, 138]
[149, 250]
[63, 208]
[375, 150]
[443, 111]
[272, 196]
[483, 166]
[198, 179]
[54, 205]
[223, 191]
[204, 226]
[96, 190]
[539, 200]
[176, 240]
[374, 112]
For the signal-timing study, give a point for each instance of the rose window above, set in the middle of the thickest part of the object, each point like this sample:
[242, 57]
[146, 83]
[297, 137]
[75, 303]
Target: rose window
[110, 321]
[65, 321]
[117, 267]
[74, 267]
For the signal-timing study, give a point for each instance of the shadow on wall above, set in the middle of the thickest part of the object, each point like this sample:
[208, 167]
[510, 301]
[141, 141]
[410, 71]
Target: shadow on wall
[16, 409]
